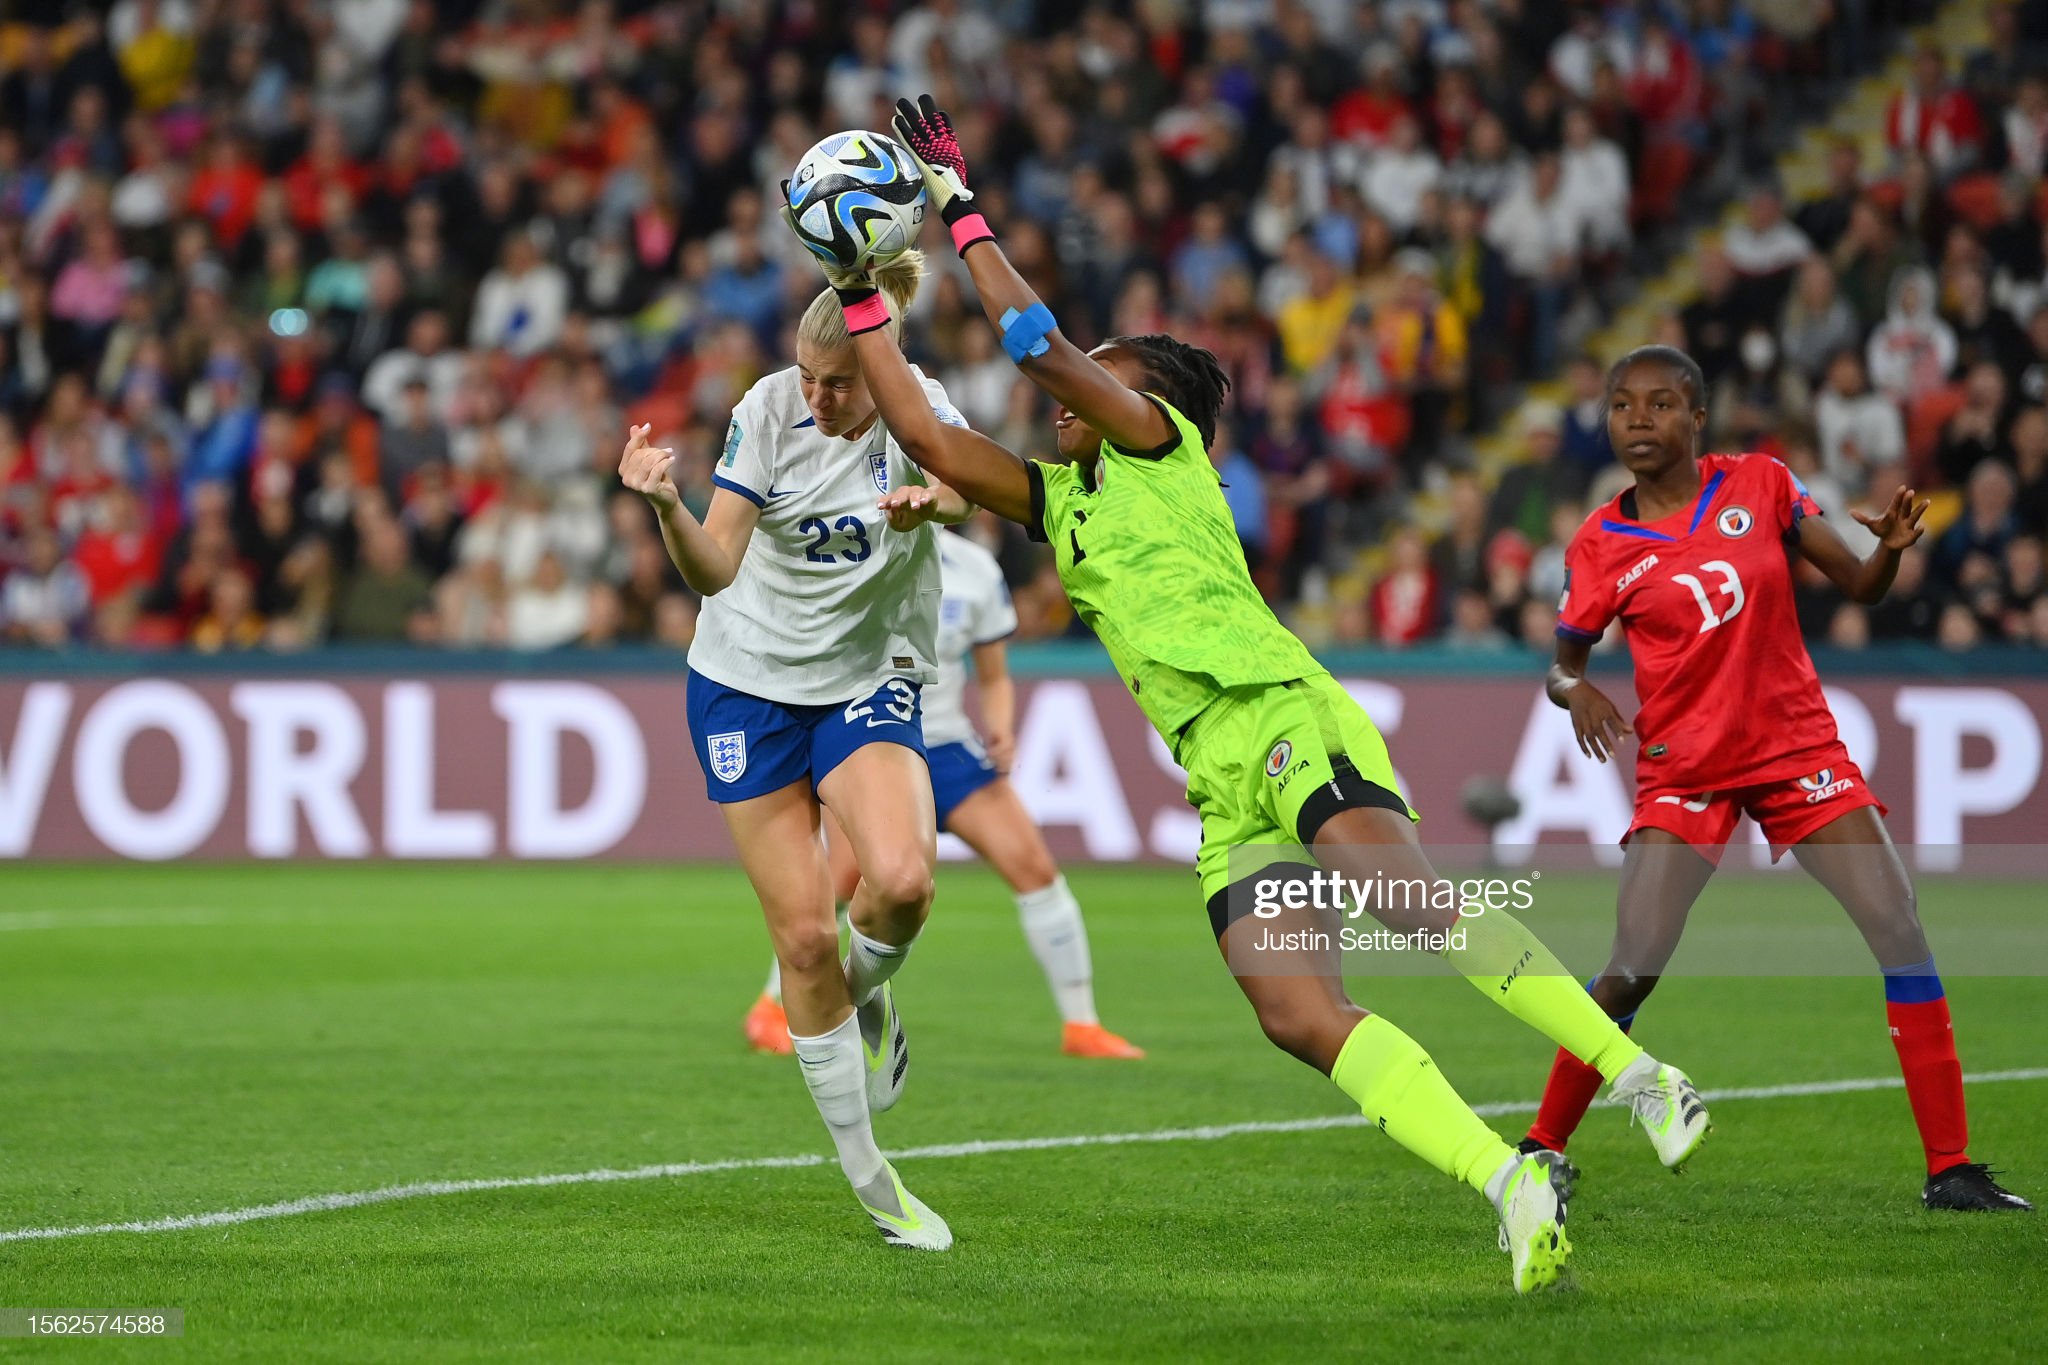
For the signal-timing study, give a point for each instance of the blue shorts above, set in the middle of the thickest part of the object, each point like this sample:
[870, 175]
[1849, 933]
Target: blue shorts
[750, 746]
[958, 772]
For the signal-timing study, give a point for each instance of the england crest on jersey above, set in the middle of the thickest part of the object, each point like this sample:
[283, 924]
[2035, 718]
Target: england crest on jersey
[728, 755]
[878, 465]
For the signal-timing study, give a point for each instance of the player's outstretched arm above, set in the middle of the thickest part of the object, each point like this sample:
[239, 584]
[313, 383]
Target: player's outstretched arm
[1596, 723]
[1868, 579]
[708, 555]
[1030, 336]
[967, 462]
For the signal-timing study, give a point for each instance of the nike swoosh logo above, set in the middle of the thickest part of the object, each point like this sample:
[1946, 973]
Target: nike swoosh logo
[774, 492]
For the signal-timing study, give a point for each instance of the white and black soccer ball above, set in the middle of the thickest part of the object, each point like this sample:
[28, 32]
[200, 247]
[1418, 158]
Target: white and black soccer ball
[857, 199]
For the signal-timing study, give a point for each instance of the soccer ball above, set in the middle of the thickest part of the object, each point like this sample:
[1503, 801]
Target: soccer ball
[858, 199]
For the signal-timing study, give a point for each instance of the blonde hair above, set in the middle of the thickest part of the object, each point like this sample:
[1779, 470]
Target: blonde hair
[823, 324]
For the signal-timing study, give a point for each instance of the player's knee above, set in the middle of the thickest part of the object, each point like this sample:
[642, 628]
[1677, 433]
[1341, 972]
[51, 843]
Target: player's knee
[809, 951]
[1031, 869]
[901, 885]
[1311, 1031]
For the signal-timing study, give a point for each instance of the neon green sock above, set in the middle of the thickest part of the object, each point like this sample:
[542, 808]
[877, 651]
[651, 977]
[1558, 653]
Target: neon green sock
[1399, 1088]
[1515, 971]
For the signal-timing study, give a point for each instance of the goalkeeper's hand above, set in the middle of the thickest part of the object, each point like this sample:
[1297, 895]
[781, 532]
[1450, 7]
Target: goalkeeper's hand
[924, 128]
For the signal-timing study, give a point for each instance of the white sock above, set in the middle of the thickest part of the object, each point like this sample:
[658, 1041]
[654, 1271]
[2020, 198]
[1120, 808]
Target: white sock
[773, 990]
[1052, 925]
[869, 963]
[837, 1076]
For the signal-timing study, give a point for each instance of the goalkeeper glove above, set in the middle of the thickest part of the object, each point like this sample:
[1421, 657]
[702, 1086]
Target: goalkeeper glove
[924, 128]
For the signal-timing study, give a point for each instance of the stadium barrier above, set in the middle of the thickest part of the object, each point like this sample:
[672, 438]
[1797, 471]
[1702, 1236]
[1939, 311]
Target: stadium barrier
[418, 755]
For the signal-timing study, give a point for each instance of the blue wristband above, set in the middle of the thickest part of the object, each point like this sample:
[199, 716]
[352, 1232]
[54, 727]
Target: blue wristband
[1024, 333]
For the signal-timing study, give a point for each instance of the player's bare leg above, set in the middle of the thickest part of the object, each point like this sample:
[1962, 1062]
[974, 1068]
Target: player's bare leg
[777, 839]
[1661, 878]
[995, 824]
[1513, 968]
[882, 797]
[1854, 858]
[1306, 1013]
[766, 1026]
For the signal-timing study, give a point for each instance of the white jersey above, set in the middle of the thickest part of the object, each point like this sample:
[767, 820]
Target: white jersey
[975, 610]
[829, 602]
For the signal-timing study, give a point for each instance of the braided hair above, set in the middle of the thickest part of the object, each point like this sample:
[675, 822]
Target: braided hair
[1189, 377]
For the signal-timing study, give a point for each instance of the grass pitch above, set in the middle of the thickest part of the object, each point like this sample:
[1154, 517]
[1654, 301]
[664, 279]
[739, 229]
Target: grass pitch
[183, 1040]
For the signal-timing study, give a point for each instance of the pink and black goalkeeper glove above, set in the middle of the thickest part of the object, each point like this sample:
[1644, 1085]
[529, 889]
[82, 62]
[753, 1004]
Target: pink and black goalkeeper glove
[924, 128]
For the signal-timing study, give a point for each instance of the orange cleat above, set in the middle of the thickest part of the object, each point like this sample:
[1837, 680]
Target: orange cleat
[1093, 1040]
[767, 1027]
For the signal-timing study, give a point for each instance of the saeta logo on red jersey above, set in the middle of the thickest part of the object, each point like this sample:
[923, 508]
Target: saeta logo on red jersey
[1637, 572]
[1821, 785]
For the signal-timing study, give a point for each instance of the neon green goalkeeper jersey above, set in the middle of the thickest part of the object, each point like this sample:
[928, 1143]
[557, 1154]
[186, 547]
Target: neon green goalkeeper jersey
[1151, 561]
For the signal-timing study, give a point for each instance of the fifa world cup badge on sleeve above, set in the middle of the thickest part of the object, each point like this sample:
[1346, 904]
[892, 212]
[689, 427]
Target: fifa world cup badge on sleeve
[732, 444]
[878, 465]
[728, 755]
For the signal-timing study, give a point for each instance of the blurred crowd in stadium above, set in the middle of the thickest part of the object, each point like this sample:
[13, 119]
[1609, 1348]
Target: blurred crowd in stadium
[324, 319]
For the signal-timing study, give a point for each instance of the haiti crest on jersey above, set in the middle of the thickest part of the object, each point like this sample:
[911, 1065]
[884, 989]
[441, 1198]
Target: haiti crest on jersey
[878, 465]
[1735, 521]
[728, 755]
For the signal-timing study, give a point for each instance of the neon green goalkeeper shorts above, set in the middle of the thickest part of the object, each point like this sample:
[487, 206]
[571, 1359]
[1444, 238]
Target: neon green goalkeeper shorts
[1267, 765]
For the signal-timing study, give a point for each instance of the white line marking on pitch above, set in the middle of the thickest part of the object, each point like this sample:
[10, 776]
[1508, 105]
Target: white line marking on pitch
[427, 1189]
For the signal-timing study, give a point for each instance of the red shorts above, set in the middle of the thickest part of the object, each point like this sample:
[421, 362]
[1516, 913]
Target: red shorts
[1787, 810]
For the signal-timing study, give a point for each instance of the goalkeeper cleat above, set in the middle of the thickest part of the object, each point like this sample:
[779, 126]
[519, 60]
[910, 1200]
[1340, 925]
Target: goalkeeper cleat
[1665, 1101]
[887, 1052]
[1093, 1040]
[900, 1216]
[1532, 1209]
[1529, 1146]
[1968, 1187]
[767, 1027]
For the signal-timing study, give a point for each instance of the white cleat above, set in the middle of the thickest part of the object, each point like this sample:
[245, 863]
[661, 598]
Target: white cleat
[1665, 1101]
[885, 1049]
[1532, 1208]
[909, 1223]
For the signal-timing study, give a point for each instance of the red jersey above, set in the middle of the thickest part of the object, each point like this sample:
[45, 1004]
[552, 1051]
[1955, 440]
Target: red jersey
[1729, 696]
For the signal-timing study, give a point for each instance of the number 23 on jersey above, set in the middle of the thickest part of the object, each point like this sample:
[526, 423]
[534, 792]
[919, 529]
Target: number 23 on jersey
[849, 534]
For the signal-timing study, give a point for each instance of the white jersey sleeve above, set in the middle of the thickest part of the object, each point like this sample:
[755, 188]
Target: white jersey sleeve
[747, 464]
[829, 602]
[974, 610]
